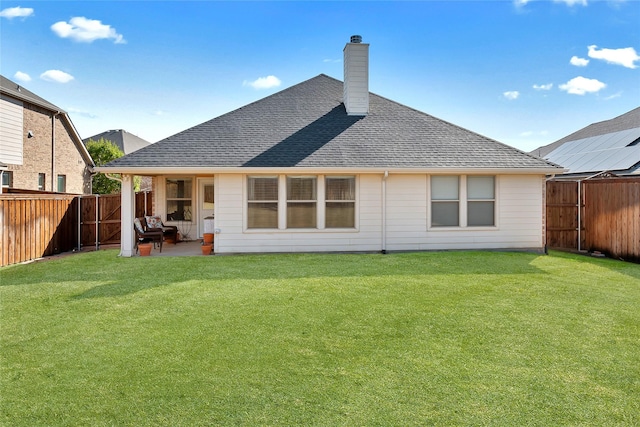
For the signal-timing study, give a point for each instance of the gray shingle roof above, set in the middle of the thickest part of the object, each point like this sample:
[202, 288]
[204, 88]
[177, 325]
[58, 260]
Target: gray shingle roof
[126, 142]
[306, 126]
[16, 91]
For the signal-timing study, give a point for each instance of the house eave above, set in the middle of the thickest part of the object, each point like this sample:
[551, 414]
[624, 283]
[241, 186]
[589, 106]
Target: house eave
[154, 171]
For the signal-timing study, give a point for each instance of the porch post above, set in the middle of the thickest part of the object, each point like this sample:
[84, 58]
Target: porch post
[127, 213]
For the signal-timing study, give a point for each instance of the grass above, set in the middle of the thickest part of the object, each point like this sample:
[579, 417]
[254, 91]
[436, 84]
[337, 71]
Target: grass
[451, 338]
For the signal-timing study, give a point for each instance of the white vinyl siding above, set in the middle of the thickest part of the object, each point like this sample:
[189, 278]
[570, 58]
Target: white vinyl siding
[518, 206]
[11, 129]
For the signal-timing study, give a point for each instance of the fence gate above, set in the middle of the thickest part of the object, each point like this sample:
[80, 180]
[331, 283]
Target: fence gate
[563, 215]
[100, 217]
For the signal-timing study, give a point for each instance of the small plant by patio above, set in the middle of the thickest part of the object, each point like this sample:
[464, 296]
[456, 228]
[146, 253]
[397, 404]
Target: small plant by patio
[452, 338]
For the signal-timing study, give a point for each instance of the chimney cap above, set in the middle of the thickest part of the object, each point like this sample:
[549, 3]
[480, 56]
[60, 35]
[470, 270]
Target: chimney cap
[356, 39]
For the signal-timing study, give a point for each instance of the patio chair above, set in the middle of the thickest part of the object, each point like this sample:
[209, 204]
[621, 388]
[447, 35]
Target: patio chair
[146, 234]
[168, 231]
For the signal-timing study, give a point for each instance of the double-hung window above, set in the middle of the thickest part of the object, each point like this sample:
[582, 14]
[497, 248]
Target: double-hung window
[340, 197]
[463, 201]
[262, 200]
[302, 202]
[41, 181]
[445, 201]
[481, 201]
[179, 199]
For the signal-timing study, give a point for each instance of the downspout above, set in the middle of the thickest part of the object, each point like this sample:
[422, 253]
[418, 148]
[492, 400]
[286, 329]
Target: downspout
[384, 212]
[53, 151]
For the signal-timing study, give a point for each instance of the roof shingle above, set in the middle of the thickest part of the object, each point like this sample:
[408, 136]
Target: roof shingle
[306, 125]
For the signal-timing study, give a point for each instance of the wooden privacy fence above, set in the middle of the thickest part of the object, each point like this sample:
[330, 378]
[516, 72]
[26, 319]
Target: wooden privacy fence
[44, 224]
[595, 215]
[37, 225]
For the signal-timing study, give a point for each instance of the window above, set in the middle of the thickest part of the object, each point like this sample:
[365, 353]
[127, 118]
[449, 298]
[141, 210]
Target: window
[7, 179]
[340, 196]
[179, 199]
[62, 183]
[463, 201]
[445, 201]
[262, 202]
[41, 180]
[301, 202]
[480, 201]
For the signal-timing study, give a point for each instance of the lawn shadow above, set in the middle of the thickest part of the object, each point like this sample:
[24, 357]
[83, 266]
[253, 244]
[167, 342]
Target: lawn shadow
[115, 276]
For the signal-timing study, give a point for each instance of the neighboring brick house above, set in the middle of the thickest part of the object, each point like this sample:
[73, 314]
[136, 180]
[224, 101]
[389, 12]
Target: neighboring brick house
[39, 144]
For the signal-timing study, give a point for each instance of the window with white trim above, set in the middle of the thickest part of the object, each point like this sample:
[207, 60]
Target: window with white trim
[302, 202]
[178, 195]
[463, 201]
[340, 201]
[7, 179]
[262, 202]
[445, 201]
[481, 201]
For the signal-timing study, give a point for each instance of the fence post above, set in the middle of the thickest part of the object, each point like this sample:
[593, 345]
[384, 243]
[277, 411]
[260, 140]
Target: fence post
[97, 223]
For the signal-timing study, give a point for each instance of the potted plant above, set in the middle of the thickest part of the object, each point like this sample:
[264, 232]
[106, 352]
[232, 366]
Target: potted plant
[145, 248]
[206, 248]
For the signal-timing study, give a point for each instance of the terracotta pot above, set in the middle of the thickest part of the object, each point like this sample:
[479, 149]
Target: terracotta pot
[208, 238]
[206, 249]
[145, 249]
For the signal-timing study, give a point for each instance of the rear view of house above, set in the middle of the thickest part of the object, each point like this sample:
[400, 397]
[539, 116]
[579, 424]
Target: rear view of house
[326, 165]
[39, 146]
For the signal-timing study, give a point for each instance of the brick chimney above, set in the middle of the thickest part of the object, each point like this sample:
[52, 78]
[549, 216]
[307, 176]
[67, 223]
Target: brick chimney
[356, 77]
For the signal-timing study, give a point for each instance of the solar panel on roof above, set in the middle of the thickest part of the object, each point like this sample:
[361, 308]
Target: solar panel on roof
[612, 151]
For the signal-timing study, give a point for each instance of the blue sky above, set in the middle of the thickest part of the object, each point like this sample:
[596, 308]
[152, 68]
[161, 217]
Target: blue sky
[525, 73]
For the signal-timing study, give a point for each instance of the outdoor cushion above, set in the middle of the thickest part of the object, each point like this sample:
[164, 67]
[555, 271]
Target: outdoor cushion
[138, 225]
[154, 222]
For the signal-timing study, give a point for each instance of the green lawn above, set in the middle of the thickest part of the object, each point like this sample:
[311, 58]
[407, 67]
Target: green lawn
[449, 338]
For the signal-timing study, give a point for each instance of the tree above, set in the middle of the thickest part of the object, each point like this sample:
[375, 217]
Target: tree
[102, 152]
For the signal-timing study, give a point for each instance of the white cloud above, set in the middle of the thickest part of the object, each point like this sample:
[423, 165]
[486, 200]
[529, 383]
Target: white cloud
[511, 94]
[86, 30]
[82, 113]
[572, 2]
[263, 82]
[56, 76]
[625, 56]
[615, 95]
[23, 77]
[547, 86]
[16, 12]
[332, 60]
[581, 85]
[579, 62]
